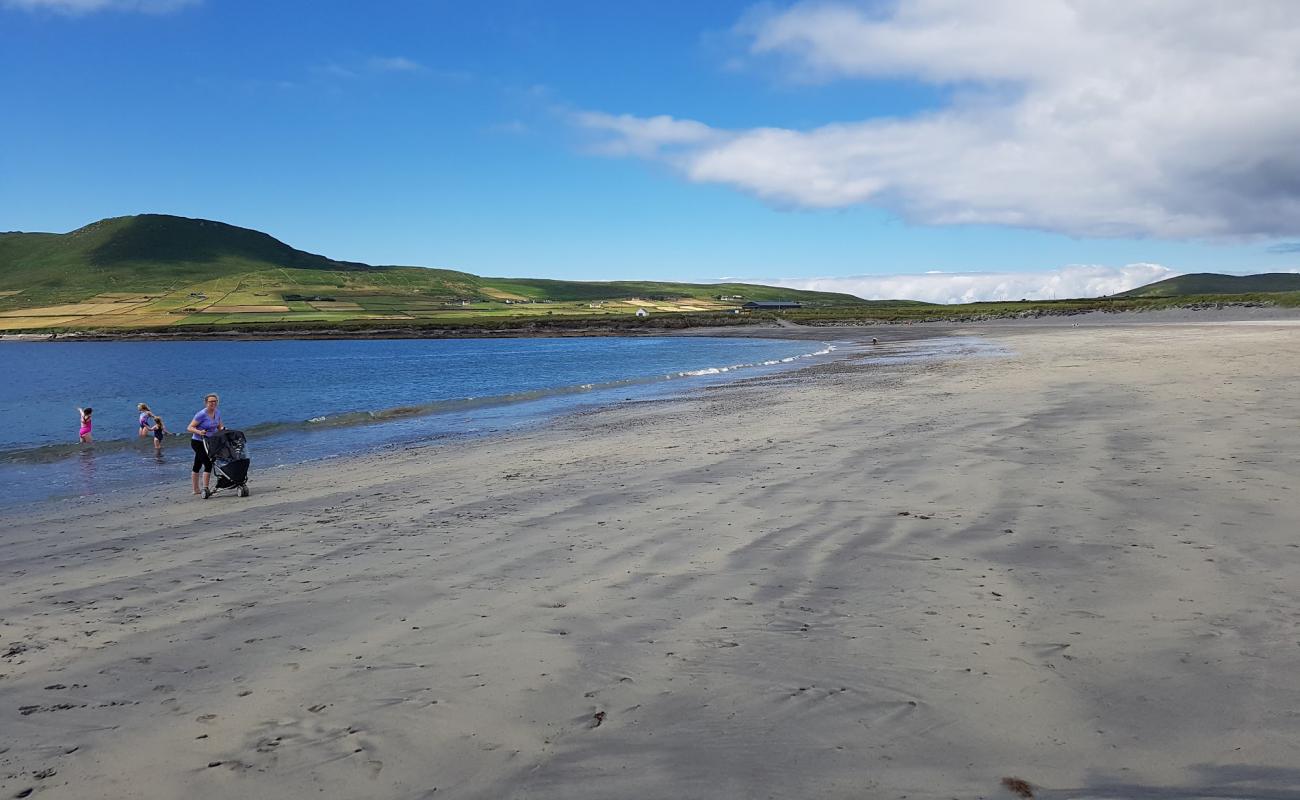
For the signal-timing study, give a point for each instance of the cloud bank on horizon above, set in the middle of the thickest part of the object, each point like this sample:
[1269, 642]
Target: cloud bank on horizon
[1140, 118]
[1076, 280]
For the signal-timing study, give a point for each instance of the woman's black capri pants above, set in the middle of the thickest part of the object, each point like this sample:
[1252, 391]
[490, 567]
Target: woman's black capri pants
[201, 460]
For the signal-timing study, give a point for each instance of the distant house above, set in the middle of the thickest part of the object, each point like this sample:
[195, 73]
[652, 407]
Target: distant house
[771, 305]
[731, 297]
[641, 312]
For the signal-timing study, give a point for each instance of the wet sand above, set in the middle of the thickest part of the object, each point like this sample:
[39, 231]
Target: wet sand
[1077, 565]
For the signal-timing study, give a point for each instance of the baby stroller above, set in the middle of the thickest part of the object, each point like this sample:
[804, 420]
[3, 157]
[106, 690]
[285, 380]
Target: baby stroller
[229, 462]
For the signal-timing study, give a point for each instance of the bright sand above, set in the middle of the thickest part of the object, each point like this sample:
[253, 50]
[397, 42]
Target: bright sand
[1079, 566]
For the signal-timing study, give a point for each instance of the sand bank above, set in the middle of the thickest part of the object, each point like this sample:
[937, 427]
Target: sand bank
[1078, 565]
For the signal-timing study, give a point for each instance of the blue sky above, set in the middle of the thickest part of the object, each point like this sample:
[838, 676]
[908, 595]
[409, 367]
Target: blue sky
[848, 142]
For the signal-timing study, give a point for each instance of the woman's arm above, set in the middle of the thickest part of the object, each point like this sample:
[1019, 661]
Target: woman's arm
[194, 428]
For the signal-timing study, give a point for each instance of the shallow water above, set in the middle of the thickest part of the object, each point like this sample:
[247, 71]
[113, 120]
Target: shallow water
[299, 401]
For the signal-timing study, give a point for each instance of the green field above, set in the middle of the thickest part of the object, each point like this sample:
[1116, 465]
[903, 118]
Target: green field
[164, 272]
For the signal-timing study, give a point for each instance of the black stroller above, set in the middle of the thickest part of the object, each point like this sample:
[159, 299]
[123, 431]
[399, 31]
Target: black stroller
[229, 462]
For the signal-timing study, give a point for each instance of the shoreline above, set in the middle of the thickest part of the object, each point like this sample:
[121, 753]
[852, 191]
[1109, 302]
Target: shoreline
[58, 470]
[1176, 315]
[1074, 566]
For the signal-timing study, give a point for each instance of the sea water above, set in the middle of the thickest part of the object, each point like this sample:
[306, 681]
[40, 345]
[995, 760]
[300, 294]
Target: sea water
[302, 401]
[305, 400]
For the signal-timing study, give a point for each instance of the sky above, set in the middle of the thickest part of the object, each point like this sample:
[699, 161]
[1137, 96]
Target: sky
[936, 150]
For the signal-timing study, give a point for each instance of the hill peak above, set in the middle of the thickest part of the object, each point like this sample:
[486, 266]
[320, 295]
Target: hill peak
[1217, 283]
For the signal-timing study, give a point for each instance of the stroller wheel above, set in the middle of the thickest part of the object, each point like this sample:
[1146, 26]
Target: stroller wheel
[243, 491]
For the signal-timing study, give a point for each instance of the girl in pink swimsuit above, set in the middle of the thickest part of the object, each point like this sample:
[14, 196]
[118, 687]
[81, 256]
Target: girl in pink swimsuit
[86, 424]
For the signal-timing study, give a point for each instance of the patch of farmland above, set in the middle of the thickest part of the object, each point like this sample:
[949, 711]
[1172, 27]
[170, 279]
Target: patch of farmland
[131, 320]
[336, 305]
[121, 297]
[27, 323]
[73, 309]
[244, 309]
[501, 295]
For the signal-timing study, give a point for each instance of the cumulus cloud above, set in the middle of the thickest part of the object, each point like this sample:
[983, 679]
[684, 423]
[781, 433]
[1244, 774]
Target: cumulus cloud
[77, 7]
[1085, 117]
[968, 287]
[649, 137]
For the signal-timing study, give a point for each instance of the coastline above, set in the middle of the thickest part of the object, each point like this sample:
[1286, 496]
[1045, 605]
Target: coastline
[676, 326]
[1070, 566]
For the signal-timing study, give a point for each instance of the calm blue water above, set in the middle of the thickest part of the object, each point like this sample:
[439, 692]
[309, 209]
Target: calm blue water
[300, 400]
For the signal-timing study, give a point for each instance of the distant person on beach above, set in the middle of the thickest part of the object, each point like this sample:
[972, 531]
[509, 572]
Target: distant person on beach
[205, 423]
[84, 434]
[146, 419]
[159, 430]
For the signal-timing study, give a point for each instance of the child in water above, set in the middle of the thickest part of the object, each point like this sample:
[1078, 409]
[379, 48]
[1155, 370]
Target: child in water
[158, 431]
[84, 434]
[146, 419]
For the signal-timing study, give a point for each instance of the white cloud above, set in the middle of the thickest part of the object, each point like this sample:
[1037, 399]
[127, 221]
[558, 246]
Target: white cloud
[350, 69]
[78, 7]
[969, 287]
[395, 64]
[335, 70]
[637, 136]
[1086, 117]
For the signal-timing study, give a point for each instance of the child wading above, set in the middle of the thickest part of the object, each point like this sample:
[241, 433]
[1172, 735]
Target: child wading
[158, 432]
[146, 419]
[84, 434]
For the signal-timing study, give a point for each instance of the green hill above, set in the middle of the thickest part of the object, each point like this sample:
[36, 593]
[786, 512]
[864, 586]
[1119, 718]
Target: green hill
[154, 252]
[1214, 283]
[158, 270]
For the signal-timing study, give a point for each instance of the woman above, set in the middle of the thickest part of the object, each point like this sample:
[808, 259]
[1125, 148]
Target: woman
[205, 423]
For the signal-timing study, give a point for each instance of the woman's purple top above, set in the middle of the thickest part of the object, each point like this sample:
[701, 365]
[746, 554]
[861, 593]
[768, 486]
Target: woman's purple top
[205, 423]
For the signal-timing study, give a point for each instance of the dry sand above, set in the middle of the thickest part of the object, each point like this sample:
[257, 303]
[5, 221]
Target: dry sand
[1078, 565]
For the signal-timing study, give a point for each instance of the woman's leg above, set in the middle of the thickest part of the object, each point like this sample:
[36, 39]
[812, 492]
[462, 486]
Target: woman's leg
[200, 456]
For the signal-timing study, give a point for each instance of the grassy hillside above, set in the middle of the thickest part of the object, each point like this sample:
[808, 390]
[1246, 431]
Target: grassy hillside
[155, 253]
[1214, 283]
[162, 271]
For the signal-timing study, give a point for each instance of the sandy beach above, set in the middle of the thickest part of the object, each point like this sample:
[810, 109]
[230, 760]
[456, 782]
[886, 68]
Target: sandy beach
[1077, 564]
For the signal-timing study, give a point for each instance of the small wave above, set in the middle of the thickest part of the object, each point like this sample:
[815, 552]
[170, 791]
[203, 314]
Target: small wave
[54, 452]
[705, 371]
